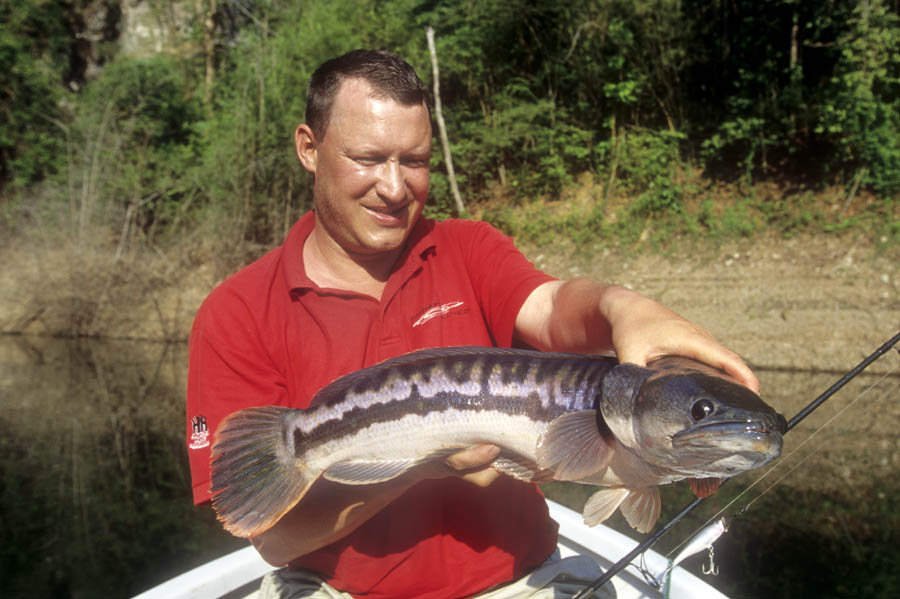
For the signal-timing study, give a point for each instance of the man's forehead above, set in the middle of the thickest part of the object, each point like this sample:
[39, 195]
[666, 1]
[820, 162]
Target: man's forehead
[359, 117]
[353, 90]
[355, 85]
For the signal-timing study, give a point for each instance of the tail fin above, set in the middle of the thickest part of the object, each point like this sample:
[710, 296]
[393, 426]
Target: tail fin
[255, 477]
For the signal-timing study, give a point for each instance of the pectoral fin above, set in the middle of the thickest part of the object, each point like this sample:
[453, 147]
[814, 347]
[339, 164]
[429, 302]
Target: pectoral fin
[641, 508]
[573, 447]
[704, 487]
[367, 472]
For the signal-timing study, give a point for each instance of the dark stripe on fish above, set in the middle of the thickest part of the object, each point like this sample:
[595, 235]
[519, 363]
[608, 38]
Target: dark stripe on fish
[578, 377]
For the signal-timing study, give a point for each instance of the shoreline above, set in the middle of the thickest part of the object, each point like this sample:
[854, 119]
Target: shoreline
[808, 303]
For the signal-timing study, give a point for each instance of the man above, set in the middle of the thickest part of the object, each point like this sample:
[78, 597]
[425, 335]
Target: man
[364, 278]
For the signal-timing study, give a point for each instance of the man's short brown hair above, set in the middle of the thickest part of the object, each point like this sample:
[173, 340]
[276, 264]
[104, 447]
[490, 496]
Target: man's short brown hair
[389, 75]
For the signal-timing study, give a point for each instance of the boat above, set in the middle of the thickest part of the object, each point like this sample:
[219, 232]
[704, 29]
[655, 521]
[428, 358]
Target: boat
[237, 575]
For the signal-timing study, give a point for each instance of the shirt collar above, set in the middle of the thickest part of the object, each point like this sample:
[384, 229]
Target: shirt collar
[292, 253]
[419, 245]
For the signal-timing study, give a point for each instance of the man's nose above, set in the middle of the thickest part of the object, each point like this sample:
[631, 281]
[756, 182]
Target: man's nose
[390, 185]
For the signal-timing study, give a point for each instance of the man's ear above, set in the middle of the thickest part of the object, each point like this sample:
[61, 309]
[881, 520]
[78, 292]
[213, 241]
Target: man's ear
[305, 143]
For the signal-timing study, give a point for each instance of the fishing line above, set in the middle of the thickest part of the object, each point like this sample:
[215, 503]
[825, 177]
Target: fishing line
[782, 461]
[653, 538]
[805, 441]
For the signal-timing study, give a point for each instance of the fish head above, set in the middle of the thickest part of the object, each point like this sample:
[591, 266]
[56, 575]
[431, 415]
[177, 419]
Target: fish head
[693, 420]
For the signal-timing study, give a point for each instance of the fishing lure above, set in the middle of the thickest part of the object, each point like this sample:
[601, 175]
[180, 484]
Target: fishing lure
[702, 540]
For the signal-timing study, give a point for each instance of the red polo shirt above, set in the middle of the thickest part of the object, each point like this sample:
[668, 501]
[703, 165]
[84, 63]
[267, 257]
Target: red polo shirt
[268, 335]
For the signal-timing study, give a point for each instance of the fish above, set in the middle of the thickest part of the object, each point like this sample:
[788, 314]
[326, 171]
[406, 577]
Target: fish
[555, 416]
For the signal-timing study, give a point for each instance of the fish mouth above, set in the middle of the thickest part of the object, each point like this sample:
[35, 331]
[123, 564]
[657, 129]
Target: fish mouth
[717, 449]
[716, 432]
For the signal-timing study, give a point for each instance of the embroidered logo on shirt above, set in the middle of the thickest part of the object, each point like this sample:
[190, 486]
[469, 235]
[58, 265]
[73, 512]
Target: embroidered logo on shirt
[436, 311]
[199, 433]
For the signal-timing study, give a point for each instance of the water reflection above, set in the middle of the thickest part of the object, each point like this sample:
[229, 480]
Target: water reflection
[95, 484]
[95, 489]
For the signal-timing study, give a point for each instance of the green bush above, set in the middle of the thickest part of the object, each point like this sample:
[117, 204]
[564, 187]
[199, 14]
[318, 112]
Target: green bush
[860, 113]
[133, 147]
[522, 143]
[648, 164]
[32, 131]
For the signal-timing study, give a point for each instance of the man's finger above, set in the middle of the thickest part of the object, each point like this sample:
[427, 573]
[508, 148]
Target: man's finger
[479, 456]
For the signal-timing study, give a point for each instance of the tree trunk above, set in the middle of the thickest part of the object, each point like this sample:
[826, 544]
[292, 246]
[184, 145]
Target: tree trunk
[209, 49]
[795, 35]
[442, 128]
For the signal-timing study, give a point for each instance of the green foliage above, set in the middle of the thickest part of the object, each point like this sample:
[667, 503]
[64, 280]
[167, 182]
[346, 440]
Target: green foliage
[143, 110]
[648, 164]
[535, 93]
[736, 221]
[517, 146]
[861, 110]
[532, 86]
[31, 45]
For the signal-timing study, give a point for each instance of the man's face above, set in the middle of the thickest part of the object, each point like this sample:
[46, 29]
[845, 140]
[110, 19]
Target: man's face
[371, 170]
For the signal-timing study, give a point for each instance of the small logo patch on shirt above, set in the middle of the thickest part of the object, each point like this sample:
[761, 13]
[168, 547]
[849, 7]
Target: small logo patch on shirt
[436, 311]
[199, 433]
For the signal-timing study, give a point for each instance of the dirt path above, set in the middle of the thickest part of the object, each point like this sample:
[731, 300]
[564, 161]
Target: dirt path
[810, 303]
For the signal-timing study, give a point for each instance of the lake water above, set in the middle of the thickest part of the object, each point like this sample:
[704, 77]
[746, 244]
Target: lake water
[95, 488]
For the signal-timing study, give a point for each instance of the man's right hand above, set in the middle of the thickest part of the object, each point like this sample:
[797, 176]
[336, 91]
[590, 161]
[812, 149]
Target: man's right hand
[472, 464]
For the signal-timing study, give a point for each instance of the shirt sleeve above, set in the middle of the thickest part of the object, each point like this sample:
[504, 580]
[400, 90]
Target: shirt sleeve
[501, 275]
[229, 369]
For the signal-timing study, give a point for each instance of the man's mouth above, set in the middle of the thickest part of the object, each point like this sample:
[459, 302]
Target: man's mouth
[388, 215]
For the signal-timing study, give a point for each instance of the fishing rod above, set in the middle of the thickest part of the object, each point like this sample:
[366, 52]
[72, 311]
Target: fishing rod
[813, 405]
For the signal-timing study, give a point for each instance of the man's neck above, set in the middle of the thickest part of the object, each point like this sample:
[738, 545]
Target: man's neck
[329, 265]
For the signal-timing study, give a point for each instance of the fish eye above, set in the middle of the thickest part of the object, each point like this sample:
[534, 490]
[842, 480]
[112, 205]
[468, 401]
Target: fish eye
[702, 408]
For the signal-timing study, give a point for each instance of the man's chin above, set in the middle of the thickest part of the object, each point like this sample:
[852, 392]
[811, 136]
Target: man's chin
[384, 242]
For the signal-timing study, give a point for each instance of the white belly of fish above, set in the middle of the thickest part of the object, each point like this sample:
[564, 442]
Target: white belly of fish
[381, 450]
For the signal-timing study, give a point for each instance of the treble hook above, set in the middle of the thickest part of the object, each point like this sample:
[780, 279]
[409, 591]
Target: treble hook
[713, 568]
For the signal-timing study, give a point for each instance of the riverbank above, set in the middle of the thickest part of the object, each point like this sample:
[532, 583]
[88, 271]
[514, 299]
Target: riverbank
[810, 302]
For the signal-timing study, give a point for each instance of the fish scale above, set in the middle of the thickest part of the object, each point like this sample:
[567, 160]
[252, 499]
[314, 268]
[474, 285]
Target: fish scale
[554, 416]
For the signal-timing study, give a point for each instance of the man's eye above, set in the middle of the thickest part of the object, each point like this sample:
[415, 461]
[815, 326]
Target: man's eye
[366, 160]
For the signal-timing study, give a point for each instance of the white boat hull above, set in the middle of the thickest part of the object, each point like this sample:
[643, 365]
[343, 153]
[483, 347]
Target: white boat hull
[243, 567]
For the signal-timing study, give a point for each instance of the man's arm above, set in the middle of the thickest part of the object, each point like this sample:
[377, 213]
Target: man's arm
[331, 511]
[582, 316]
